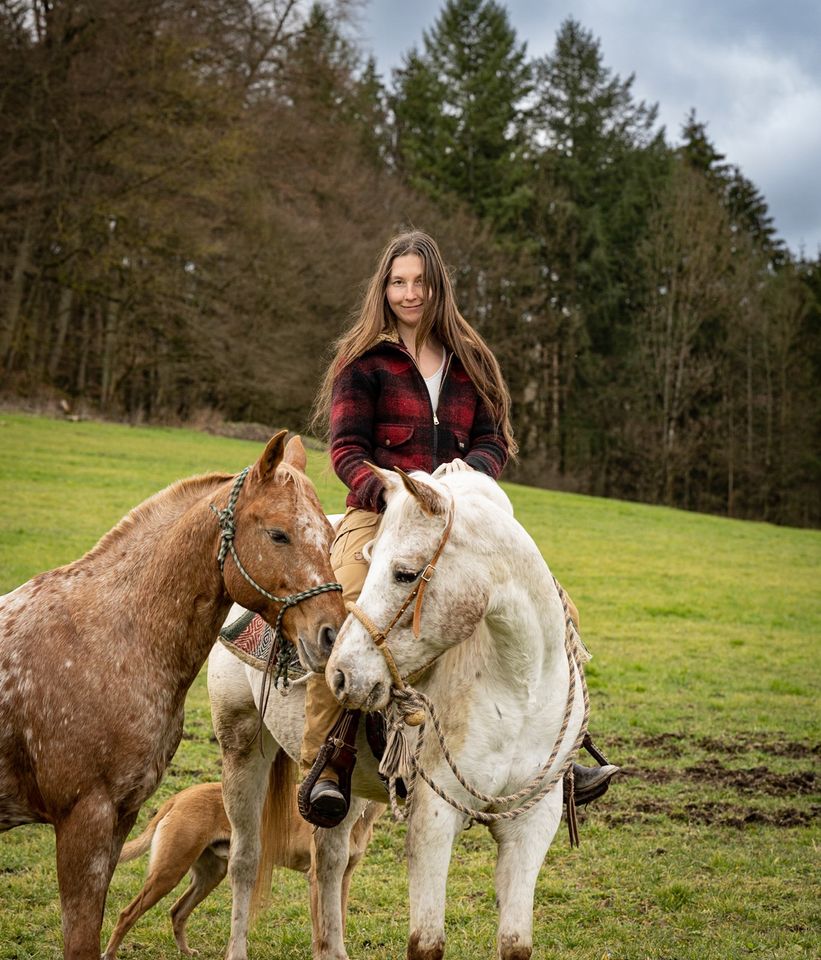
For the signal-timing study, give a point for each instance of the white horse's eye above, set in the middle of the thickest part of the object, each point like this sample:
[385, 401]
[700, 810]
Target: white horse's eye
[405, 576]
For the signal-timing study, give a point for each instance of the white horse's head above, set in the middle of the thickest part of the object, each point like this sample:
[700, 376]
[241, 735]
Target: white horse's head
[453, 601]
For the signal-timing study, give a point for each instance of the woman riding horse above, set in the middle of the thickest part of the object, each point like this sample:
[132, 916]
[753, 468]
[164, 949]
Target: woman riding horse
[412, 385]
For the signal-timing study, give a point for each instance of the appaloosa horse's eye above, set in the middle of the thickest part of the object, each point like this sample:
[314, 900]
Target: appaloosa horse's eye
[405, 576]
[279, 536]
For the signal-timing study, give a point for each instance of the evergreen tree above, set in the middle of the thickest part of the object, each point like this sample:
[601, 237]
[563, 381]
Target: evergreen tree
[748, 212]
[699, 152]
[598, 155]
[457, 106]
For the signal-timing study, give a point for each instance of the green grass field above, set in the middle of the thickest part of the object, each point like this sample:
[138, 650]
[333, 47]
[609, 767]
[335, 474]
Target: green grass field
[704, 687]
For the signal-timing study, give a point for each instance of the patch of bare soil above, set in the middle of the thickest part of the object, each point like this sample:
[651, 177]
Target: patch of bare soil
[711, 813]
[712, 772]
[774, 745]
[673, 744]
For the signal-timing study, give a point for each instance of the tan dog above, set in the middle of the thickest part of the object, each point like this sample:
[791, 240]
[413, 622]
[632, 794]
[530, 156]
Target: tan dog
[191, 831]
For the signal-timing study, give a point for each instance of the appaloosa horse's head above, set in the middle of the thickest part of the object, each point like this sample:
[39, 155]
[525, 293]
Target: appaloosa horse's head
[427, 587]
[275, 547]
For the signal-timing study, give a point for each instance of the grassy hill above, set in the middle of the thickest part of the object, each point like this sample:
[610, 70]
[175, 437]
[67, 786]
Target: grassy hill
[704, 687]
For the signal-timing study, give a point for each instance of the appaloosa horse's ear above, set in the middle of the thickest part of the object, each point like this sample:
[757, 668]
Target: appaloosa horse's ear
[295, 454]
[430, 500]
[271, 457]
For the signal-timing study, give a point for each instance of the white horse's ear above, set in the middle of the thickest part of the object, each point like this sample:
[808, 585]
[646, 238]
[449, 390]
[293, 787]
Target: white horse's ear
[390, 481]
[430, 500]
[295, 454]
[271, 457]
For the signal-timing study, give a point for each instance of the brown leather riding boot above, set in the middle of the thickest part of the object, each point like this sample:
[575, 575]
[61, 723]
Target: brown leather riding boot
[590, 783]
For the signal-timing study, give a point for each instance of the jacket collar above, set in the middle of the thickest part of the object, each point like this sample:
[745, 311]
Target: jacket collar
[389, 336]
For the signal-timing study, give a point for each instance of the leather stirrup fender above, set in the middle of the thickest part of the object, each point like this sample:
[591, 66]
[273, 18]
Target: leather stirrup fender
[339, 753]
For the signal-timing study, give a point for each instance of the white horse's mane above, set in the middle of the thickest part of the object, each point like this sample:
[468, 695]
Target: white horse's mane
[466, 482]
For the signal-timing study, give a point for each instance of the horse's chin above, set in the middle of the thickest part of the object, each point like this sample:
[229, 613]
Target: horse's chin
[377, 699]
[307, 659]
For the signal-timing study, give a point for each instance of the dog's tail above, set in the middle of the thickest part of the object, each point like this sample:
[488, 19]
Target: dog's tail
[276, 827]
[137, 847]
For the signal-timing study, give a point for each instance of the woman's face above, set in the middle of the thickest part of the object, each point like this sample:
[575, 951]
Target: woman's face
[406, 290]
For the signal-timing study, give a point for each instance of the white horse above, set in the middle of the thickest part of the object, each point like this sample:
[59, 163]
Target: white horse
[490, 657]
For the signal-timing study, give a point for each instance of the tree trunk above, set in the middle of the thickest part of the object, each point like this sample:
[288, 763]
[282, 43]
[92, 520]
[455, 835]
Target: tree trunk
[63, 317]
[109, 351]
[16, 290]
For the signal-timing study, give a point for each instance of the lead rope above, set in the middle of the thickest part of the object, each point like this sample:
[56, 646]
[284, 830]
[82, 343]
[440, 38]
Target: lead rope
[400, 763]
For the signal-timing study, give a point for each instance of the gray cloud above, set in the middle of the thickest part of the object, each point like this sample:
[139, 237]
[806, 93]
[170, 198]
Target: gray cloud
[750, 68]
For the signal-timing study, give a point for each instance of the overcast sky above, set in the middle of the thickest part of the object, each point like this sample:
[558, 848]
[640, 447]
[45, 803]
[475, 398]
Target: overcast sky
[751, 69]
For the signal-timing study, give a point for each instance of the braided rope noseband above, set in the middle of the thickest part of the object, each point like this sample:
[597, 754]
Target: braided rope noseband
[281, 645]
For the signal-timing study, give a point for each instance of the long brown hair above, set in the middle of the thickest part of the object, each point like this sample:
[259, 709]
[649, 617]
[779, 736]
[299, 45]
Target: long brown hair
[440, 316]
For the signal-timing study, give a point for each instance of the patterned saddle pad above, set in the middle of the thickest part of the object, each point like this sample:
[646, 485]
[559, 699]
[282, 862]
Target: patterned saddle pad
[250, 638]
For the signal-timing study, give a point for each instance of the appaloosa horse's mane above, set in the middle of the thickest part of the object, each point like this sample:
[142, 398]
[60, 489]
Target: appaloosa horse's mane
[167, 504]
[158, 509]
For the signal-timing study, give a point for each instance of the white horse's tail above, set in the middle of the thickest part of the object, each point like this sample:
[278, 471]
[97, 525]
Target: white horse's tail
[277, 827]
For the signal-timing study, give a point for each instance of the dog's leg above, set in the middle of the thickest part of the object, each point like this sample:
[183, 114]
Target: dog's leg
[206, 874]
[170, 861]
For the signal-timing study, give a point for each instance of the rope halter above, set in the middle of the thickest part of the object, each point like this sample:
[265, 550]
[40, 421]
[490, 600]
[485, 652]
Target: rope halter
[283, 647]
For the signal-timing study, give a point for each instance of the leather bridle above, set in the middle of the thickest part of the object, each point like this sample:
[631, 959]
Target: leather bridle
[417, 593]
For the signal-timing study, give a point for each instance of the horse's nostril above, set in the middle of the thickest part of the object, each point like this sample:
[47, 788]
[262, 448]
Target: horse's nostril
[338, 684]
[327, 636]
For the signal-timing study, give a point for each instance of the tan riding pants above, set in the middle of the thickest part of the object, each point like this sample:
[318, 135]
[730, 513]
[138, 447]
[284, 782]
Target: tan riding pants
[322, 709]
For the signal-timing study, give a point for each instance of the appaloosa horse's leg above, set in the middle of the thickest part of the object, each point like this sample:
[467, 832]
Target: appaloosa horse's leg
[431, 832]
[522, 846]
[244, 785]
[89, 840]
[330, 878]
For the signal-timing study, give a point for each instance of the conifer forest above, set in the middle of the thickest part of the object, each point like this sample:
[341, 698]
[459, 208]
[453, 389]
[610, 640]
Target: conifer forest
[192, 193]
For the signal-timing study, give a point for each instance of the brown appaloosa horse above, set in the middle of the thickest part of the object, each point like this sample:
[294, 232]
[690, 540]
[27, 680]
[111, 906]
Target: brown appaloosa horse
[96, 657]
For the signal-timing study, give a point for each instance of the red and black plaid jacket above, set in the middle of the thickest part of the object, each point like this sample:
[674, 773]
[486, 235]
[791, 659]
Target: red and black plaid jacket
[381, 411]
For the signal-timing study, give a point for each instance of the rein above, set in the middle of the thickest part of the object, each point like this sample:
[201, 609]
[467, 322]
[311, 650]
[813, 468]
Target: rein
[410, 766]
[281, 645]
[409, 707]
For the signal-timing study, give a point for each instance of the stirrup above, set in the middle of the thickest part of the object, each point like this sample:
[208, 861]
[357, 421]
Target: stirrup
[338, 752]
[593, 750]
[572, 800]
[598, 777]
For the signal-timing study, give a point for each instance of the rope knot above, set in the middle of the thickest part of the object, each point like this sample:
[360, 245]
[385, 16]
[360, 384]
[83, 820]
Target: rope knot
[409, 706]
[228, 529]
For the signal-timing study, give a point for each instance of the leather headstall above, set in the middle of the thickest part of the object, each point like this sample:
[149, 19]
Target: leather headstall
[417, 593]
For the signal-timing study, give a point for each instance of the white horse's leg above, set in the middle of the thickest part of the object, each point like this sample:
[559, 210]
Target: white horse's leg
[432, 828]
[244, 784]
[523, 844]
[329, 863]
[248, 751]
